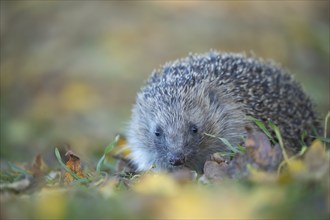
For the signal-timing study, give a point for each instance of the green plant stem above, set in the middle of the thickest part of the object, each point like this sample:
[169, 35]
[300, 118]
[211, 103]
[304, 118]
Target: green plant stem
[107, 150]
[326, 127]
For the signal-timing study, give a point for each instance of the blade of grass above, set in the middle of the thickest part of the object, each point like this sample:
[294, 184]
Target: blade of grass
[279, 137]
[81, 180]
[262, 127]
[285, 156]
[107, 150]
[231, 147]
[226, 154]
[323, 139]
[241, 148]
[15, 168]
[301, 152]
[225, 141]
[326, 127]
[302, 137]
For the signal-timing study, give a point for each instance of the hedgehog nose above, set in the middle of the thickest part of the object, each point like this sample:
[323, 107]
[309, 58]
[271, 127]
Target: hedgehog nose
[177, 159]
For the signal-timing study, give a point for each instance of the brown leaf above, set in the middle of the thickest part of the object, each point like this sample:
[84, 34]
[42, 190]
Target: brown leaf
[74, 165]
[38, 168]
[218, 169]
[260, 152]
[184, 175]
[39, 165]
[214, 171]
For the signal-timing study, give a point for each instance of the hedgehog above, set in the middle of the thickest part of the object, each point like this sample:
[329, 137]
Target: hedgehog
[189, 106]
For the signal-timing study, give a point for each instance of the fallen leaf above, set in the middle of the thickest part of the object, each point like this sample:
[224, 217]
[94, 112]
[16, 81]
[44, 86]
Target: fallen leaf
[317, 160]
[50, 204]
[260, 176]
[296, 167]
[74, 165]
[215, 171]
[38, 167]
[184, 175]
[156, 184]
[261, 153]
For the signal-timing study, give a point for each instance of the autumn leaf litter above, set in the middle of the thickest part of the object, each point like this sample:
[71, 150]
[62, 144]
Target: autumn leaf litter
[259, 179]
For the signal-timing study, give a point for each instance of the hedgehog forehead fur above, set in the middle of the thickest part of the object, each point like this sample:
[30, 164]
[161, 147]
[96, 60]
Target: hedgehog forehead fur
[213, 92]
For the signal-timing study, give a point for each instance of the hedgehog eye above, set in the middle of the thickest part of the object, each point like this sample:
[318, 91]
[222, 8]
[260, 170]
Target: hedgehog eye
[194, 129]
[158, 132]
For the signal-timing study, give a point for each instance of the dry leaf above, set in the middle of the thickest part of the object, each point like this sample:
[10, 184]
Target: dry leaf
[296, 166]
[317, 160]
[262, 176]
[215, 171]
[74, 165]
[260, 152]
[156, 184]
[38, 167]
[50, 204]
[184, 176]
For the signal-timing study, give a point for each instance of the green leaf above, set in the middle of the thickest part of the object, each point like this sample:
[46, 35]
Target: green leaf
[323, 139]
[107, 150]
[279, 137]
[241, 148]
[225, 141]
[226, 154]
[99, 163]
[262, 127]
[15, 168]
[79, 181]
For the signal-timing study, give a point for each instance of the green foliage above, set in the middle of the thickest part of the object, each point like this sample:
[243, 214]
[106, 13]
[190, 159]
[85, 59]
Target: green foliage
[262, 127]
[107, 150]
[233, 149]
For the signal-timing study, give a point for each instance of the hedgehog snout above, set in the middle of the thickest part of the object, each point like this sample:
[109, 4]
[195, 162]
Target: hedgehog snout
[177, 159]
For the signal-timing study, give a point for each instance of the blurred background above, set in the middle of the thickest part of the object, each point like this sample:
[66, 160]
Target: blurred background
[70, 70]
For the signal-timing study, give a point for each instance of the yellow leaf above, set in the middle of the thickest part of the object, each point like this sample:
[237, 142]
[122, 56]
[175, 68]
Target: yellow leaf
[158, 184]
[296, 166]
[107, 189]
[191, 205]
[121, 149]
[317, 160]
[194, 202]
[50, 204]
[261, 176]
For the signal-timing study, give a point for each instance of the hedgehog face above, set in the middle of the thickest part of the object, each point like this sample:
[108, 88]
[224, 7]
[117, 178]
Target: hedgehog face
[168, 131]
[174, 144]
[167, 138]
